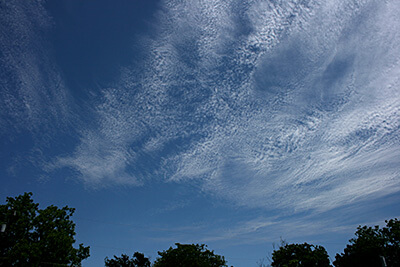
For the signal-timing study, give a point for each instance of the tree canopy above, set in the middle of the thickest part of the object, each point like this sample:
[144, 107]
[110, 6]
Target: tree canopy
[138, 260]
[37, 237]
[192, 255]
[30, 236]
[300, 255]
[370, 245]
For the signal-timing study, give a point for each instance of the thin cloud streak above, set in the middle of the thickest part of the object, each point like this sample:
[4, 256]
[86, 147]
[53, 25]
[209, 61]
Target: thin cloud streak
[32, 92]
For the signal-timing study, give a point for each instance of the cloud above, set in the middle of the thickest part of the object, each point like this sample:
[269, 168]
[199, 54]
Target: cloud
[290, 105]
[87, 158]
[32, 91]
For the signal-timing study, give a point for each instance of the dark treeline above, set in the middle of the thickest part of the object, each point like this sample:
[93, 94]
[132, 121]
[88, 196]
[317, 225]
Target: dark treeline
[371, 247]
[31, 236]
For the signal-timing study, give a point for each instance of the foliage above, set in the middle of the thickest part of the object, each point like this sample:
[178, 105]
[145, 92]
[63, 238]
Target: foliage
[138, 260]
[38, 237]
[370, 244]
[300, 255]
[185, 255]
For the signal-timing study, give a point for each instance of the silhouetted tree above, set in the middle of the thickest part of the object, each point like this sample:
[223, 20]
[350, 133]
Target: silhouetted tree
[138, 260]
[189, 256]
[300, 255]
[370, 244]
[34, 237]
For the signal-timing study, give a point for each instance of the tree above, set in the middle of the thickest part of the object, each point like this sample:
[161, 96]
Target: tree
[37, 237]
[185, 255]
[138, 260]
[300, 255]
[370, 245]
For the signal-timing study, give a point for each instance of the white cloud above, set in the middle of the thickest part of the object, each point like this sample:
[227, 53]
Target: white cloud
[300, 111]
[32, 91]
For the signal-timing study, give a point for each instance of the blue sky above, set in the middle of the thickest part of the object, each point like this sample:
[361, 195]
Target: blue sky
[230, 123]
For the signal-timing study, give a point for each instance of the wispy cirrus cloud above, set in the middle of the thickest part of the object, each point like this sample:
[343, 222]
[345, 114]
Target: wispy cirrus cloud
[289, 105]
[32, 92]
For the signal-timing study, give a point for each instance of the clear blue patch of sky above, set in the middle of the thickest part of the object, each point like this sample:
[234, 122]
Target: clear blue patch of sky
[94, 39]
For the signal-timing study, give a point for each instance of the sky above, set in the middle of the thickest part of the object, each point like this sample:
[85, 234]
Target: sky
[226, 122]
